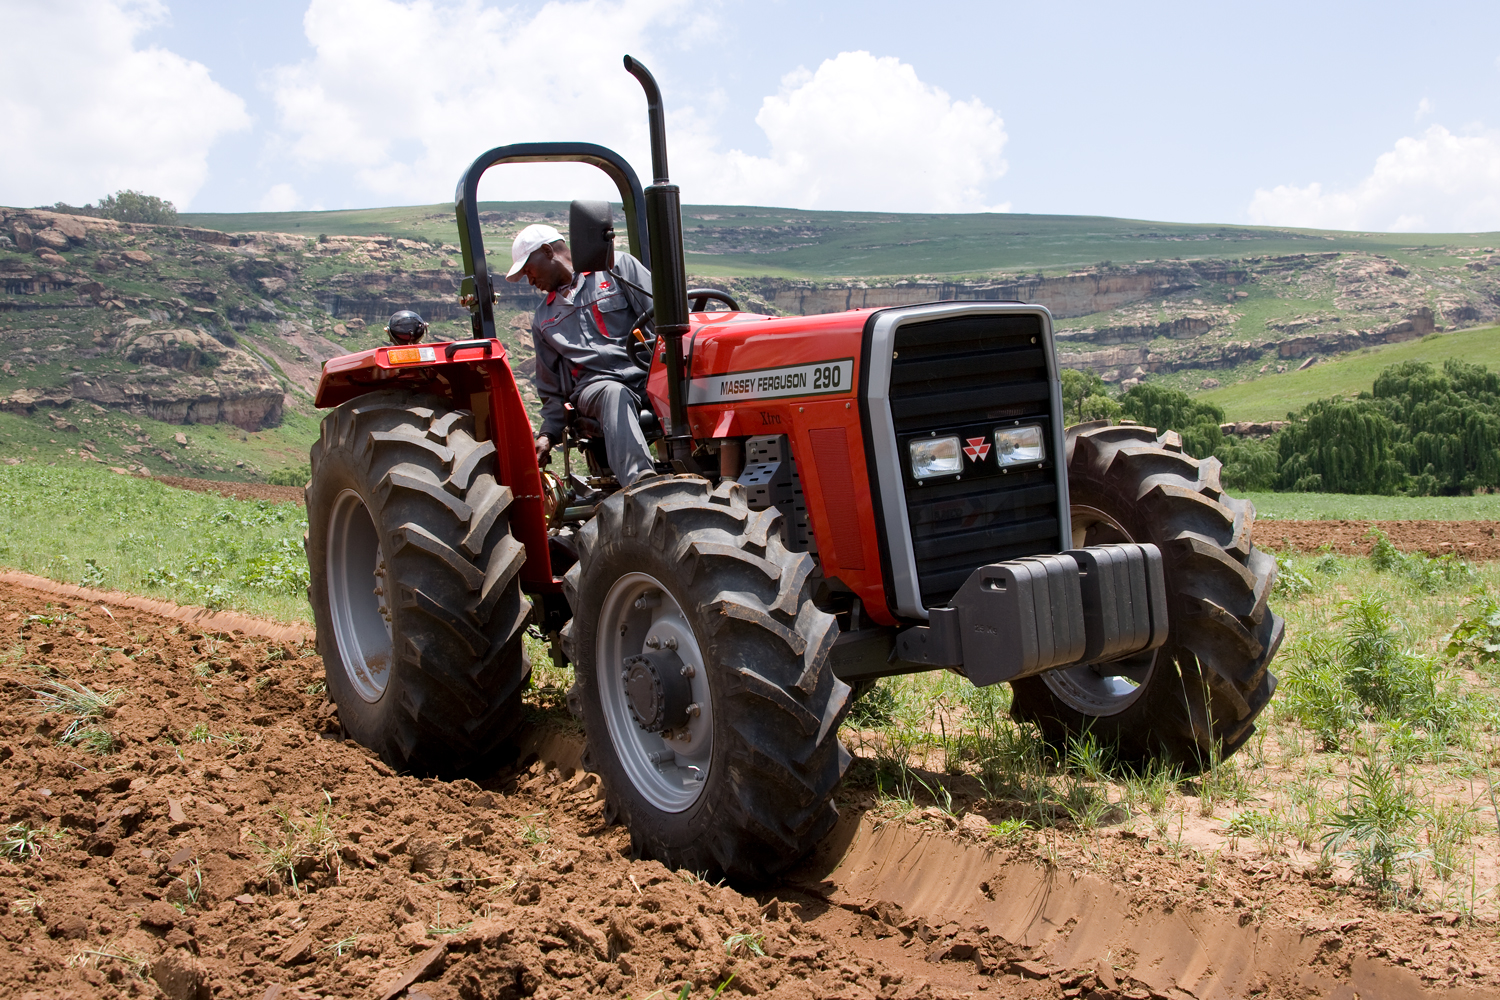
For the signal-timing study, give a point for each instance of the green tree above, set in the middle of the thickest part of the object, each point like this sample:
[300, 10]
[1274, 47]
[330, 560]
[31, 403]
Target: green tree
[1086, 397]
[1168, 409]
[134, 206]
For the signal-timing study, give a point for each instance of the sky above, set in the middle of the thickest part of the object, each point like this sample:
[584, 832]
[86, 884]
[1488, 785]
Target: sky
[1372, 116]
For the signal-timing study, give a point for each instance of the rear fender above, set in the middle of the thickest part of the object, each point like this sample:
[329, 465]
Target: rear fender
[476, 375]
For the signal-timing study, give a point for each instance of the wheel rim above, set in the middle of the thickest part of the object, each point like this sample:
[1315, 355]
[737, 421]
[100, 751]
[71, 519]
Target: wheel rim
[356, 597]
[1103, 688]
[669, 774]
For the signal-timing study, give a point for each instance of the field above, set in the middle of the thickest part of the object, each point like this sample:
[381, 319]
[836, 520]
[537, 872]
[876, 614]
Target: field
[1272, 397]
[241, 847]
[1341, 506]
[737, 241]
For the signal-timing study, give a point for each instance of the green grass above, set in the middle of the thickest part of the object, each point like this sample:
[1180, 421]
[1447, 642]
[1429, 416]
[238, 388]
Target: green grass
[1345, 506]
[93, 527]
[742, 241]
[214, 451]
[1272, 397]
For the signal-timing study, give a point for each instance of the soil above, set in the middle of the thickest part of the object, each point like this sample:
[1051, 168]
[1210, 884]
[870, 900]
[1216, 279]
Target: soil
[237, 491]
[152, 871]
[1472, 540]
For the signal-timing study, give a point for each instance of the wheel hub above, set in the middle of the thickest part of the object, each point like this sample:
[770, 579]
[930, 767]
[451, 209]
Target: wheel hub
[658, 691]
[654, 692]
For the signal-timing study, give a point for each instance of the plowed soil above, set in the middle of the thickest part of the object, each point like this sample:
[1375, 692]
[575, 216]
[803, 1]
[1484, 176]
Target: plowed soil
[232, 845]
[1473, 540]
[237, 491]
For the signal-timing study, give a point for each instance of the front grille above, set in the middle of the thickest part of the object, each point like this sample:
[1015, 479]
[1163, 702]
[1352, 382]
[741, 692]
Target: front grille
[958, 372]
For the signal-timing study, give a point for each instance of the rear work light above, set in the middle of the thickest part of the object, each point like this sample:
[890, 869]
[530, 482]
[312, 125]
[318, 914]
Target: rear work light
[938, 456]
[410, 355]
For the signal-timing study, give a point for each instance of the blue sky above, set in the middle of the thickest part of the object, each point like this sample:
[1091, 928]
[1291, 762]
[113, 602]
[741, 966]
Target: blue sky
[1368, 116]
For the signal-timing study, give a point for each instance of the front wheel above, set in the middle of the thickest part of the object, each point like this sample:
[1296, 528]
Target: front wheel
[1199, 694]
[703, 679]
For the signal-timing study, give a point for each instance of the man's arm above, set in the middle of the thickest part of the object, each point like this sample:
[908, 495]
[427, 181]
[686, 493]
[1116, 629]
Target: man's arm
[554, 417]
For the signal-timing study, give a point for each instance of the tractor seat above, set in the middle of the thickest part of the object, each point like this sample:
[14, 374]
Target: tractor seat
[581, 428]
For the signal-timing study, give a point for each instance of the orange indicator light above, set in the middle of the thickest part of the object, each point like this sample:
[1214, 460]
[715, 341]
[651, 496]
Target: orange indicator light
[410, 355]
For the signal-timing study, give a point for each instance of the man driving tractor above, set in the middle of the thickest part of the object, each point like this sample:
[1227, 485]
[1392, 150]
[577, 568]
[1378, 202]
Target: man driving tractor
[581, 334]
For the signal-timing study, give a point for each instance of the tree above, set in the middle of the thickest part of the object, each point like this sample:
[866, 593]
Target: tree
[134, 206]
[1168, 409]
[1086, 397]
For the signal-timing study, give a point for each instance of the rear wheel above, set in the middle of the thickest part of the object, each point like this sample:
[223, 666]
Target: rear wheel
[1200, 693]
[415, 586]
[703, 679]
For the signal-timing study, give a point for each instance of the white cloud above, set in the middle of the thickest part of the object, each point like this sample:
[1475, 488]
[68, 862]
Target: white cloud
[279, 198]
[95, 113]
[408, 135]
[862, 133]
[1424, 108]
[1437, 182]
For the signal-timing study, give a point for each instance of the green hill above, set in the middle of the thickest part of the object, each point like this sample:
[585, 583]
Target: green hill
[790, 243]
[1271, 397]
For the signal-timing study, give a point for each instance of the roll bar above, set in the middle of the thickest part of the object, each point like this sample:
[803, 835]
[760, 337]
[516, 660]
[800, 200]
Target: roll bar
[477, 291]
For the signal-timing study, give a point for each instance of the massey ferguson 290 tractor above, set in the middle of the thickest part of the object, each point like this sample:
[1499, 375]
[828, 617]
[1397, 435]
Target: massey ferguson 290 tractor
[842, 497]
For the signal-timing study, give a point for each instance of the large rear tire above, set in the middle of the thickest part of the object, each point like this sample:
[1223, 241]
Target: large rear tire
[1198, 695]
[742, 782]
[415, 587]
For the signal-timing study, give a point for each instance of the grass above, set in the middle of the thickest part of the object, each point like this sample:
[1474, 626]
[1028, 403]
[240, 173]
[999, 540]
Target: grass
[301, 845]
[88, 525]
[1353, 507]
[1272, 397]
[214, 451]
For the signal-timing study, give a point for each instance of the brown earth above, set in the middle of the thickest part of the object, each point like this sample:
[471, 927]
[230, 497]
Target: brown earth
[1474, 540]
[237, 491]
[152, 872]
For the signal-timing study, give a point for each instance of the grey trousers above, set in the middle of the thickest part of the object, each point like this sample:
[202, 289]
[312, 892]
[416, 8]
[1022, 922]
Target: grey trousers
[613, 408]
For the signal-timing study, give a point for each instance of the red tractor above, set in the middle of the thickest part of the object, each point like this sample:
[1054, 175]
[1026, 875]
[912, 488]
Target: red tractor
[843, 497]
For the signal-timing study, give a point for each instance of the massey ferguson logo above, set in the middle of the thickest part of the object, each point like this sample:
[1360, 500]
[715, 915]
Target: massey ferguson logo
[976, 449]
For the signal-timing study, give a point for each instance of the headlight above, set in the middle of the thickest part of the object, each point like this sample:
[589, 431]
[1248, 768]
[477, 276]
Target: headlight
[1018, 445]
[936, 457]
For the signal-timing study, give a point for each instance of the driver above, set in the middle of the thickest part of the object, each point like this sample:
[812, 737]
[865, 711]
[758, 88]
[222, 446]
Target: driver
[580, 335]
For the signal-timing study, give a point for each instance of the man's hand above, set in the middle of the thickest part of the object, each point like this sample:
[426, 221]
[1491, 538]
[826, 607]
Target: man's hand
[543, 449]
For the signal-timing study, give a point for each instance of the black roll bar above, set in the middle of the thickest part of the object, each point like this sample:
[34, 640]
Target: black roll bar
[477, 291]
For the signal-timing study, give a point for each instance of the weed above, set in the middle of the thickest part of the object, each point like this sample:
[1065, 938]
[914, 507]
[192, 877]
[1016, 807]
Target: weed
[1449, 827]
[83, 704]
[1377, 833]
[92, 575]
[1475, 640]
[750, 943]
[535, 832]
[1289, 582]
[305, 844]
[339, 947]
[95, 740]
[316, 687]
[875, 708]
[194, 886]
[1426, 573]
[22, 840]
[1010, 831]
[198, 734]
[25, 906]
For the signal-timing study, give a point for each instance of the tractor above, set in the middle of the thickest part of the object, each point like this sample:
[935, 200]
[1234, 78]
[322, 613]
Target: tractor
[838, 498]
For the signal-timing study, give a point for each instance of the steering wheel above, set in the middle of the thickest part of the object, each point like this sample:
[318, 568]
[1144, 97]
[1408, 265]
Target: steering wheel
[640, 344]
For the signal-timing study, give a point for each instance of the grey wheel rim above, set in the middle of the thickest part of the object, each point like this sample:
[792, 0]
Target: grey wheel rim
[357, 597]
[1104, 688]
[670, 774]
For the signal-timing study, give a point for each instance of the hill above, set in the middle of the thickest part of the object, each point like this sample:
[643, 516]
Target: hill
[1272, 397]
[195, 348]
[739, 241]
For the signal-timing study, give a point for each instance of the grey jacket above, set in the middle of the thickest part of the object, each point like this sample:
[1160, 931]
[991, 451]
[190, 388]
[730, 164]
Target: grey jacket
[580, 337]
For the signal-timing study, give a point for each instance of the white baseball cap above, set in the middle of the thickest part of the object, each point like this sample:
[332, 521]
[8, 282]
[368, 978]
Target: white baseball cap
[529, 241]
